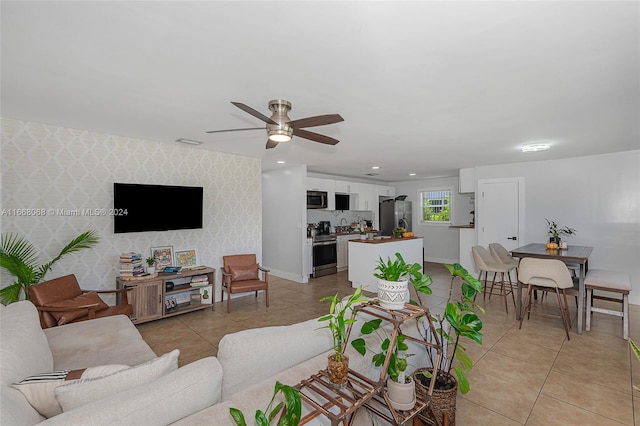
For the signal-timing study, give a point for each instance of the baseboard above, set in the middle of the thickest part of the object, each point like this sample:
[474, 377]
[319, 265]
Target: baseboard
[437, 260]
[288, 275]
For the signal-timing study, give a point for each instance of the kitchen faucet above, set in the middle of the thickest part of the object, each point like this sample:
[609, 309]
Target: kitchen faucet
[345, 221]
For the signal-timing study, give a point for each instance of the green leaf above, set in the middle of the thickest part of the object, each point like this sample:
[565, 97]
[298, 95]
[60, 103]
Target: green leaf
[463, 380]
[237, 416]
[261, 419]
[465, 360]
[359, 345]
[371, 326]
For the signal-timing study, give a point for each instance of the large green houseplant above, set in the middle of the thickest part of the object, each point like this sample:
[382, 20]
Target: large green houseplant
[19, 258]
[338, 362]
[394, 276]
[459, 321]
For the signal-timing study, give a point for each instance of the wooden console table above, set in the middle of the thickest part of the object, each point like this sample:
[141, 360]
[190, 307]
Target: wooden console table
[148, 294]
[339, 405]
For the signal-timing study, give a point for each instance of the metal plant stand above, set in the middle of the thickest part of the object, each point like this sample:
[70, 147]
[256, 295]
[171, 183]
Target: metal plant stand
[339, 405]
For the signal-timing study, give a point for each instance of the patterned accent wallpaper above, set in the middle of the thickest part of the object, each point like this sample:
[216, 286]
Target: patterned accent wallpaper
[57, 172]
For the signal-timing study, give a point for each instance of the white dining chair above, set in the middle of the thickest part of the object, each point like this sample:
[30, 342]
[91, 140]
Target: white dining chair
[546, 275]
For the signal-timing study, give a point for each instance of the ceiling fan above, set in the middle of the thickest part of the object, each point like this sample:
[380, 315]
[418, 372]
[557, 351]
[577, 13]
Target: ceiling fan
[280, 128]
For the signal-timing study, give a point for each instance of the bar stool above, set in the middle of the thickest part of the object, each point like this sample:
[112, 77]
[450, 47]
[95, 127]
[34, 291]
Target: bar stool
[486, 263]
[613, 282]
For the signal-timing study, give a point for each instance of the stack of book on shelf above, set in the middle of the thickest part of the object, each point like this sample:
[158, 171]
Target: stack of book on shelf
[199, 280]
[131, 265]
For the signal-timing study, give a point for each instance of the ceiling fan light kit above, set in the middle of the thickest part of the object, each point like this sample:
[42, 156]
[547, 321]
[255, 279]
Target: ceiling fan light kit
[280, 128]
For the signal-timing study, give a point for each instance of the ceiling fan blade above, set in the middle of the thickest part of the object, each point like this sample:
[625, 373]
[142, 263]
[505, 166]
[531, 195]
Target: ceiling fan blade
[271, 144]
[316, 137]
[236, 130]
[317, 120]
[255, 113]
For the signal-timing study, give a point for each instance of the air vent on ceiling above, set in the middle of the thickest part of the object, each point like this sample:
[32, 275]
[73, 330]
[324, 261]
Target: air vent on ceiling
[371, 174]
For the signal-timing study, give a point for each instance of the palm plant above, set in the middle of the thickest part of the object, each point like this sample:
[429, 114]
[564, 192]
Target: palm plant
[19, 258]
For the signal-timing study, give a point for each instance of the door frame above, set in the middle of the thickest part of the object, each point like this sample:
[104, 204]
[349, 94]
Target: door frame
[480, 207]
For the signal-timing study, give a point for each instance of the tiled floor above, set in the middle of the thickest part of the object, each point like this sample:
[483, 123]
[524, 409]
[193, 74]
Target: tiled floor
[532, 376]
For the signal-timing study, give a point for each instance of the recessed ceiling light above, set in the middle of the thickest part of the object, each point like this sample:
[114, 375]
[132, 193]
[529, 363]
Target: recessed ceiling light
[280, 162]
[189, 141]
[375, 167]
[412, 174]
[535, 147]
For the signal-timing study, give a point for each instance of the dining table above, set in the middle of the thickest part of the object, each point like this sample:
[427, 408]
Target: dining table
[571, 254]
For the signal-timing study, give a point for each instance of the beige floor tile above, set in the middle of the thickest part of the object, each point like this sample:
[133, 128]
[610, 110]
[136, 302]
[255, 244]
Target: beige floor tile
[589, 393]
[506, 385]
[468, 413]
[552, 412]
[514, 381]
[521, 346]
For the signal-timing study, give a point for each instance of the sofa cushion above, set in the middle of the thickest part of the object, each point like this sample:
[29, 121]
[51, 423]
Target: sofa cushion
[244, 273]
[242, 354]
[85, 391]
[172, 397]
[23, 351]
[101, 341]
[89, 298]
[39, 388]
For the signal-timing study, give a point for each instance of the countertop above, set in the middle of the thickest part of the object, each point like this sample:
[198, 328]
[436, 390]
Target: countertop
[384, 240]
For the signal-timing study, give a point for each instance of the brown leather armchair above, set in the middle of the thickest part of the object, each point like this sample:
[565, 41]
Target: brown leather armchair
[61, 300]
[241, 274]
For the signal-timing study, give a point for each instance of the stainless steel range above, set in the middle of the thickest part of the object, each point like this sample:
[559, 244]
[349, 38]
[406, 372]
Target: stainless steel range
[325, 255]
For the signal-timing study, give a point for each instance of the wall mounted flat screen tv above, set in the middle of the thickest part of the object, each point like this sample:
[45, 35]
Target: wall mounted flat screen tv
[139, 208]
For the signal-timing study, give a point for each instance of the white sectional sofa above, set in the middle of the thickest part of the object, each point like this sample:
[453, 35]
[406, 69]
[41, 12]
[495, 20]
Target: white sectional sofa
[243, 375]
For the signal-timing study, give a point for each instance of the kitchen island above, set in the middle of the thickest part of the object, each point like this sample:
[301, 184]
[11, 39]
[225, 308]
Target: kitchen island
[364, 255]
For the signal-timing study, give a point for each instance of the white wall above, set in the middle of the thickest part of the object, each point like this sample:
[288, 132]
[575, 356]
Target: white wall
[284, 221]
[441, 244]
[55, 167]
[598, 195]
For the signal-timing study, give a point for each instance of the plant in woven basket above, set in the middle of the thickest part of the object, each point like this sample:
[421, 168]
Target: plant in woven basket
[18, 257]
[290, 409]
[460, 321]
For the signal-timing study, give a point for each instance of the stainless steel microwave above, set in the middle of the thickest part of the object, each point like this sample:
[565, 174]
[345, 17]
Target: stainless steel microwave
[316, 200]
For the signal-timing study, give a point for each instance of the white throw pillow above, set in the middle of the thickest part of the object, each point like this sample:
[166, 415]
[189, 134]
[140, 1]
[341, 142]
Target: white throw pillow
[39, 389]
[84, 391]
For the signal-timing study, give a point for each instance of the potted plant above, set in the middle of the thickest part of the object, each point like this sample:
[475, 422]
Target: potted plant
[400, 387]
[460, 320]
[394, 277]
[338, 362]
[556, 231]
[291, 409]
[18, 257]
[151, 264]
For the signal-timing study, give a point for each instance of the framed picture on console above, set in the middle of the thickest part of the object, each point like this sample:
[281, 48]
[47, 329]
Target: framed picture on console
[163, 255]
[187, 259]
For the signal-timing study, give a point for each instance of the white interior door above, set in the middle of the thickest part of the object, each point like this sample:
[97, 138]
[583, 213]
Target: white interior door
[500, 217]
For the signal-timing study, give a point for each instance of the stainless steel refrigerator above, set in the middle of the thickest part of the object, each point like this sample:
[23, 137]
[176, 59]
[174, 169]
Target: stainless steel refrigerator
[395, 214]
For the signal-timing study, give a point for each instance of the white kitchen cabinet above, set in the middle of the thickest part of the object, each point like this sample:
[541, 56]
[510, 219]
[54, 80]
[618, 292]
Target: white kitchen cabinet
[362, 194]
[466, 180]
[342, 187]
[343, 250]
